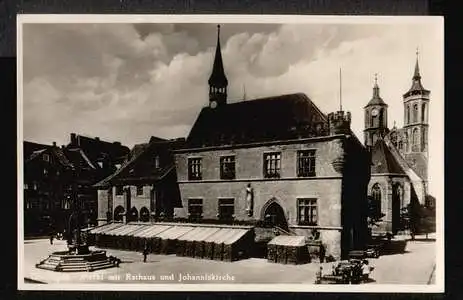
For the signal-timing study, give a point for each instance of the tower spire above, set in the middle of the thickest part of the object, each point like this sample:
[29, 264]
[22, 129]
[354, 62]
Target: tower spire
[376, 87]
[416, 74]
[416, 87]
[218, 81]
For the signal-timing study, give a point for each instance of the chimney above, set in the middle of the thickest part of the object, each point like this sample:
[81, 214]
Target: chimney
[97, 139]
[54, 144]
[73, 139]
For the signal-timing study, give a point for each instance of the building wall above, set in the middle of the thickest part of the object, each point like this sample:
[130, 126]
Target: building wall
[102, 206]
[326, 186]
[386, 182]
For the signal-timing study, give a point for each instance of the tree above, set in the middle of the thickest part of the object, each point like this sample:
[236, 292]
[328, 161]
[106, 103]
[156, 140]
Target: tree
[418, 219]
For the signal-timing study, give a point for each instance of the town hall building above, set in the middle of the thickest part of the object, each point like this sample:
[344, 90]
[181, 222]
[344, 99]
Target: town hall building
[276, 161]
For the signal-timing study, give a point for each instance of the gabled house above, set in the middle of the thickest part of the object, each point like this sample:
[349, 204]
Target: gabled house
[54, 176]
[144, 188]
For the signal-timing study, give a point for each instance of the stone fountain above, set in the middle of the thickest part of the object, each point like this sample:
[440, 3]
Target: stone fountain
[78, 257]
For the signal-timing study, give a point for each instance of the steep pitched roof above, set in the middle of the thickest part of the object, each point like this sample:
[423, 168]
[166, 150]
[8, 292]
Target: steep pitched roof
[142, 155]
[30, 147]
[383, 161]
[417, 86]
[79, 159]
[94, 147]
[272, 118]
[218, 78]
[376, 99]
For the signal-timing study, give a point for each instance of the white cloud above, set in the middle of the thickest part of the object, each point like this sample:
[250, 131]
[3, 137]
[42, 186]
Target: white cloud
[125, 82]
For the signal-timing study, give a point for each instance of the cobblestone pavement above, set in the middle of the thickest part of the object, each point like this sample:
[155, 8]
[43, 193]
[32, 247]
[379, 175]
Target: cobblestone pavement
[413, 267]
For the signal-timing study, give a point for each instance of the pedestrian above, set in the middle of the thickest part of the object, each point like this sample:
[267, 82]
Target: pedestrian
[145, 252]
[51, 238]
[319, 276]
[322, 253]
[365, 270]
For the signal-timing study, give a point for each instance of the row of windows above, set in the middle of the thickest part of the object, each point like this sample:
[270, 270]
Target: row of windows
[271, 166]
[415, 113]
[307, 210]
[120, 190]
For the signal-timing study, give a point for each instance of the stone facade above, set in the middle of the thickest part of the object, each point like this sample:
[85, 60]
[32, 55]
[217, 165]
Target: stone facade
[326, 186]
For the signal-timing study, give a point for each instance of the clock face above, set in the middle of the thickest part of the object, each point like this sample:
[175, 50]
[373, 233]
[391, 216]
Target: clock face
[374, 112]
[213, 104]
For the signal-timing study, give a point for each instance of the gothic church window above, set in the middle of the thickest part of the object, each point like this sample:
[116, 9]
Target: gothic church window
[376, 199]
[423, 112]
[415, 113]
[408, 114]
[415, 140]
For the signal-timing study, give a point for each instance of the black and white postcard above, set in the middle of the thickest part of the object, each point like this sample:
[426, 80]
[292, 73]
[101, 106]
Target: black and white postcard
[230, 153]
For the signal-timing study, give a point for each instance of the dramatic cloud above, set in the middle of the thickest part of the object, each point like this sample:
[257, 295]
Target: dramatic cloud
[127, 82]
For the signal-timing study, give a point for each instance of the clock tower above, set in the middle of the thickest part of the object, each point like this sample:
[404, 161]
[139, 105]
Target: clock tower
[218, 81]
[375, 118]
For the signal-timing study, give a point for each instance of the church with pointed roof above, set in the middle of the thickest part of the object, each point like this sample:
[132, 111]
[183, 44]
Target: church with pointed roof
[399, 170]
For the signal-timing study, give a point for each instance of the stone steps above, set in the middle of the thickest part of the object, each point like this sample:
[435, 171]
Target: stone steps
[78, 264]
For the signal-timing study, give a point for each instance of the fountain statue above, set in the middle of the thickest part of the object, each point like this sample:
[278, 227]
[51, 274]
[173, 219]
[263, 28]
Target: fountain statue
[78, 257]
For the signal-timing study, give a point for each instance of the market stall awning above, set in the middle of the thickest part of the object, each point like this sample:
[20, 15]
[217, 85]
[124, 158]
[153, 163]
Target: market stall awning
[198, 234]
[288, 240]
[106, 227]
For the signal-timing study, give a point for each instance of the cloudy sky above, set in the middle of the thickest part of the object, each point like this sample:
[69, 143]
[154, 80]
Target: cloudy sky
[127, 82]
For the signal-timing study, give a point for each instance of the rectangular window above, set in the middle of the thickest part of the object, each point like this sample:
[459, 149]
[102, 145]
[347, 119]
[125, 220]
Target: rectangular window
[195, 209]
[46, 157]
[194, 169]
[156, 162]
[119, 190]
[139, 190]
[307, 211]
[227, 167]
[272, 165]
[26, 186]
[306, 163]
[226, 209]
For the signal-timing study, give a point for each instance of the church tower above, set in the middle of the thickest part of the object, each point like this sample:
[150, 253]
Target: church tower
[218, 81]
[416, 123]
[375, 118]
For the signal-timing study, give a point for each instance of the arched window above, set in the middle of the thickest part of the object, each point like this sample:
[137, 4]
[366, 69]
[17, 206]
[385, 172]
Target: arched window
[133, 216]
[118, 213]
[381, 117]
[144, 214]
[423, 112]
[401, 145]
[425, 139]
[415, 113]
[415, 140]
[406, 142]
[367, 118]
[408, 114]
[376, 199]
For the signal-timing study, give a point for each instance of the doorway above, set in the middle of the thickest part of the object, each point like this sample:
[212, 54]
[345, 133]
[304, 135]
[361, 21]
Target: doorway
[274, 215]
